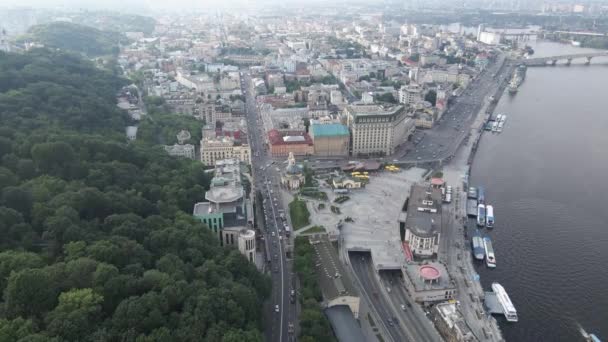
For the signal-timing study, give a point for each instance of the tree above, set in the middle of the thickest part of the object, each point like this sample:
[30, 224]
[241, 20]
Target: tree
[76, 314]
[29, 293]
[431, 96]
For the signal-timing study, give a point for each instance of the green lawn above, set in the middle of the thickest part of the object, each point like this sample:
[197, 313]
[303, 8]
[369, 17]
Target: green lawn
[315, 229]
[299, 214]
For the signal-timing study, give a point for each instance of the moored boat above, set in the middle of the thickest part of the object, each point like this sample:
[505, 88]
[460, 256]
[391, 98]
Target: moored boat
[489, 249]
[478, 248]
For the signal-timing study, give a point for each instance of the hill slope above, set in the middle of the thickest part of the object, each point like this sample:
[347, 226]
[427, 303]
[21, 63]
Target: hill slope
[74, 37]
[96, 239]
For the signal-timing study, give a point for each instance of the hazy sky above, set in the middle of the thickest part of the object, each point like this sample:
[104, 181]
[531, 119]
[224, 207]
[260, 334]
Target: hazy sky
[118, 4]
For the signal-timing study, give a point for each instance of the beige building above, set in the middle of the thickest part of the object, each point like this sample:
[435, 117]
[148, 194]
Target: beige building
[214, 149]
[330, 139]
[378, 130]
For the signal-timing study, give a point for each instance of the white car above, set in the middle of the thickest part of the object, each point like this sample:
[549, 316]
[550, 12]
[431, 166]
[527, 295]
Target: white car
[276, 308]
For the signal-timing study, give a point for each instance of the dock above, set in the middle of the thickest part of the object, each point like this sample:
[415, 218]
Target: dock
[492, 304]
[472, 207]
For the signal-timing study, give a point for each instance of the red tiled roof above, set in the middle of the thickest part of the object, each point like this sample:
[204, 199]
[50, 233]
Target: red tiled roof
[276, 138]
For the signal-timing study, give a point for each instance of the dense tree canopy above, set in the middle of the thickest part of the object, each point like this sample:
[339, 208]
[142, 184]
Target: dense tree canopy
[95, 237]
[75, 37]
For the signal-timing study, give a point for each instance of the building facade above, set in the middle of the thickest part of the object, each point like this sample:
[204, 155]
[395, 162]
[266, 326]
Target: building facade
[177, 150]
[214, 149]
[377, 130]
[330, 139]
[423, 222]
[283, 143]
[227, 212]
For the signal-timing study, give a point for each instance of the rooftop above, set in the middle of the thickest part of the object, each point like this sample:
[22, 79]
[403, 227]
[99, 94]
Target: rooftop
[424, 210]
[440, 279]
[285, 138]
[374, 110]
[329, 130]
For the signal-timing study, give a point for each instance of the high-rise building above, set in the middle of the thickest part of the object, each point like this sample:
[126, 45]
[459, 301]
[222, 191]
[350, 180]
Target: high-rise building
[377, 130]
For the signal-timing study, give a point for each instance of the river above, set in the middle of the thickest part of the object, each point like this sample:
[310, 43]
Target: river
[545, 175]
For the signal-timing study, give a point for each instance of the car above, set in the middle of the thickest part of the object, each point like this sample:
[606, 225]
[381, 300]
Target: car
[276, 308]
[272, 233]
[389, 321]
[402, 307]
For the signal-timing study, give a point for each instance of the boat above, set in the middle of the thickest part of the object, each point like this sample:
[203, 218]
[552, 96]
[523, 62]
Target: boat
[588, 337]
[481, 215]
[499, 117]
[500, 124]
[472, 193]
[477, 245]
[480, 196]
[490, 258]
[494, 126]
[503, 118]
[512, 88]
[505, 302]
[489, 216]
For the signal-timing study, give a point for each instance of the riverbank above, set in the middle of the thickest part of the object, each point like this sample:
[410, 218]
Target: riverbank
[457, 256]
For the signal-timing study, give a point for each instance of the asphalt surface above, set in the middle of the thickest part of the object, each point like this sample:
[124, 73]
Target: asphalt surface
[267, 180]
[364, 271]
[445, 137]
[413, 317]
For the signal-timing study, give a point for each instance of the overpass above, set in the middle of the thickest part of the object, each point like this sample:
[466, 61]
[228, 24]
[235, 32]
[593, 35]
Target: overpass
[552, 60]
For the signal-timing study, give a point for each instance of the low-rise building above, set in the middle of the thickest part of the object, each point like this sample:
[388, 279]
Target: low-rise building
[283, 143]
[410, 94]
[177, 150]
[220, 148]
[227, 211]
[451, 323]
[423, 221]
[330, 139]
[292, 177]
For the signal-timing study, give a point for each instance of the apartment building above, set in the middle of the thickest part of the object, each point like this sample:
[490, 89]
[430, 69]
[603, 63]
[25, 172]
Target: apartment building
[220, 148]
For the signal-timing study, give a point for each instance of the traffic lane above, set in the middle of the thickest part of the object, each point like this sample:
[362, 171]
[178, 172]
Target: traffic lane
[362, 269]
[413, 325]
[412, 311]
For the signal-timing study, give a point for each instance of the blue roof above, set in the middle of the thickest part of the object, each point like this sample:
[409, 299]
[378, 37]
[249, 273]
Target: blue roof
[329, 130]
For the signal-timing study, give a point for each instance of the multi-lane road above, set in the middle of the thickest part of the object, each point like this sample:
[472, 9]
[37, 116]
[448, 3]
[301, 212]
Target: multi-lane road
[403, 320]
[281, 311]
[443, 140]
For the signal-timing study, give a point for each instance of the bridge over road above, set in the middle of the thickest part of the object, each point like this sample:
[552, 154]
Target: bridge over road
[552, 60]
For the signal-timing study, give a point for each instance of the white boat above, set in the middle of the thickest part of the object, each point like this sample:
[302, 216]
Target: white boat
[494, 126]
[505, 302]
[481, 215]
[489, 216]
[499, 117]
[490, 259]
[503, 118]
[500, 124]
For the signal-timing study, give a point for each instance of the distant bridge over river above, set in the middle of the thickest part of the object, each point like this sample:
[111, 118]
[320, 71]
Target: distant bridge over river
[552, 60]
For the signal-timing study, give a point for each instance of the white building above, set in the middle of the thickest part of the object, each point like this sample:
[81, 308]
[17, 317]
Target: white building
[214, 149]
[186, 151]
[410, 94]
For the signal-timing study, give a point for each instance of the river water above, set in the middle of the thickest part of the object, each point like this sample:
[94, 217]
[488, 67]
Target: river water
[546, 176]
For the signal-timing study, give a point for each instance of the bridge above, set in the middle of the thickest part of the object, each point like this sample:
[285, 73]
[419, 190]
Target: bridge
[552, 60]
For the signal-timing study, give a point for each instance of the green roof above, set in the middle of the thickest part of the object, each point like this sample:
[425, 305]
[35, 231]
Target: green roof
[329, 130]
